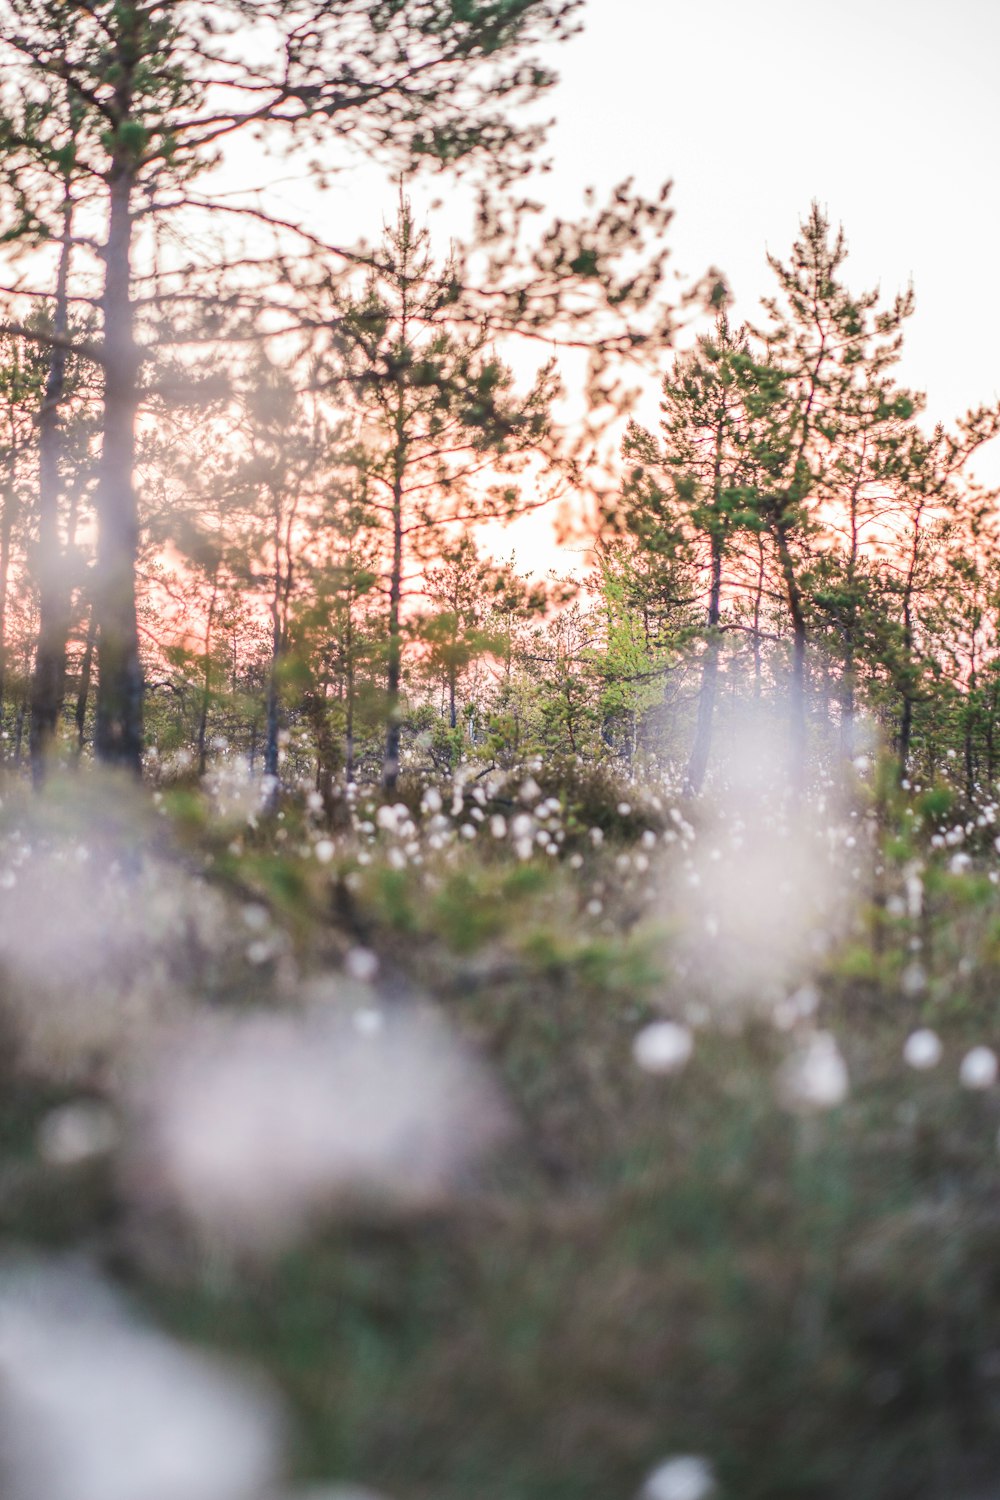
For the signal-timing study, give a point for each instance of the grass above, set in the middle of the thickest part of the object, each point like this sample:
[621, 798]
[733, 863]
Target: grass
[652, 1265]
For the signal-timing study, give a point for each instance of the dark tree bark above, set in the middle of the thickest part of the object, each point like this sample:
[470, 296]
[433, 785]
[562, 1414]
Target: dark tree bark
[83, 691]
[698, 763]
[48, 683]
[118, 734]
[393, 673]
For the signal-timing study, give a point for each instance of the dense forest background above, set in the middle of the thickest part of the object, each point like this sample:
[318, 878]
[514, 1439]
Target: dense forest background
[251, 485]
[469, 1024]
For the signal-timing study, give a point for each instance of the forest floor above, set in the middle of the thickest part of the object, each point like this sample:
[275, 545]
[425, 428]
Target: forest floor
[588, 1252]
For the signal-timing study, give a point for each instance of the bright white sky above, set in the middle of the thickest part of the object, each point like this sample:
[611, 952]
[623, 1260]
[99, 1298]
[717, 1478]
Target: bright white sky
[883, 110]
[886, 111]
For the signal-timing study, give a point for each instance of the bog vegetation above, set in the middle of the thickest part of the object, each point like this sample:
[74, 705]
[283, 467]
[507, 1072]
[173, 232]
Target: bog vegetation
[468, 1033]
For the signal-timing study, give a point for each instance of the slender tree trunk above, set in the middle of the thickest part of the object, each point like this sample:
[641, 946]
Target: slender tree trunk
[272, 713]
[390, 761]
[905, 733]
[991, 719]
[19, 730]
[349, 702]
[6, 538]
[272, 704]
[48, 683]
[698, 763]
[847, 704]
[118, 735]
[970, 725]
[905, 736]
[758, 604]
[797, 680]
[83, 692]
[847, 683]
[206, 680]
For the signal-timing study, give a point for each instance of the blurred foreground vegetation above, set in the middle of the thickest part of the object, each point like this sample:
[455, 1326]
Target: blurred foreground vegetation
[651, 1263]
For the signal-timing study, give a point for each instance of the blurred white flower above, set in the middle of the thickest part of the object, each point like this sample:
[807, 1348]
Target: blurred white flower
[815, 1077]
[663, 1047]
[684, 1478]
[249, 1126]
[913, 979]
[978, 1069]
[96, 1406]
[922, 1049]
[368, 1021]
[361, 964]
[325, 850]
[261, 951]
[333, 1492]
[76, 1132]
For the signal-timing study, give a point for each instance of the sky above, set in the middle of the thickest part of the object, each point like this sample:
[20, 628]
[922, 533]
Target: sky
[886, 112]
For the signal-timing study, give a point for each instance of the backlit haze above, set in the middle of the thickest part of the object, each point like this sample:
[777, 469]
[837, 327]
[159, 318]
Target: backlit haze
[887, 113]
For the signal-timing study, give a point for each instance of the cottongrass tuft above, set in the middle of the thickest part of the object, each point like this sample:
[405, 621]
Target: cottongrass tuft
[95, 1405]
[687, 1477]
[247, 1128]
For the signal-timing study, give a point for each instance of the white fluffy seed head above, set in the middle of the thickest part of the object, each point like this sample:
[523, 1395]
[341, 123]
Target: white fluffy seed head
[95, 1405]
[249, 1127]
[686, 1477]
[979, 1068]
[922, 1049]
[663, 1047]
[361, 964]
[815, 1077]
[76, 1132]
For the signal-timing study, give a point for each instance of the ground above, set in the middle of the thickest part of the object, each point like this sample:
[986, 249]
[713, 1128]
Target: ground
[713, 1259]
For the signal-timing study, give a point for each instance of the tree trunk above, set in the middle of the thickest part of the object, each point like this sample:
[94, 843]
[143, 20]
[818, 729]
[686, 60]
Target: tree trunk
[6, 535]
[84, 690]
[272, 714]
[905, 733]
[118, 735]
[279, 642]
[48, 683]
[971, 714]
[393, 674]
[758, 607]
[797, 679]
[694, 777]
[349, 707]
[847, 705]
[206, 680]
